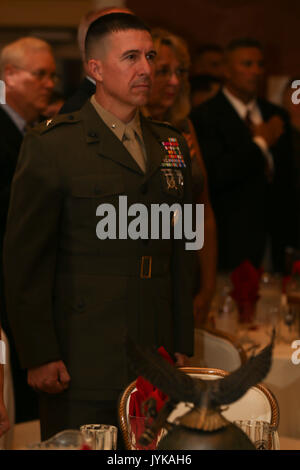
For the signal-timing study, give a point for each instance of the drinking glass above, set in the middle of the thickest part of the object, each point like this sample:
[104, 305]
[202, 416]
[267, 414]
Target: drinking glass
[263, 435]
[70, 439]
[136, 427]
[101, 436]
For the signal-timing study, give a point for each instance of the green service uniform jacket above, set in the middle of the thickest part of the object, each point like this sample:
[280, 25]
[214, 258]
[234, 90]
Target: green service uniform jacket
[72, 296]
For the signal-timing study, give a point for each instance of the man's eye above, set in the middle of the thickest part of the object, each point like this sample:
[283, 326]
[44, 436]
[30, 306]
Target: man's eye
[150, 57]
[131, 57]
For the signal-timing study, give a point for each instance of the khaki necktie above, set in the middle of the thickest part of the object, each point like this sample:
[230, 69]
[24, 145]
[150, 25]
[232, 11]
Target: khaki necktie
[132, 142]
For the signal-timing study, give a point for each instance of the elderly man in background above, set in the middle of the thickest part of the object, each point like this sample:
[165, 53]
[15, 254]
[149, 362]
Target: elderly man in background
[88, 85]
[28, 70]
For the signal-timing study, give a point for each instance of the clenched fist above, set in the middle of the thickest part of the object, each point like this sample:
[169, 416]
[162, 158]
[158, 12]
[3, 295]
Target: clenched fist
[52, 377]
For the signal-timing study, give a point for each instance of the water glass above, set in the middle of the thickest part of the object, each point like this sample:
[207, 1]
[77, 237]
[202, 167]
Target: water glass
[136, 427]
[263, 435]
[100, 436]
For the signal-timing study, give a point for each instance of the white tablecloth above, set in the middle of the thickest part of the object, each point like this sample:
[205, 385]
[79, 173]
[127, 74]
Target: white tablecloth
[283, 380]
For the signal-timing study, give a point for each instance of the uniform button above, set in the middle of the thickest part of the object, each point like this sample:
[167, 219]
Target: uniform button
[92, 134]
[144, 188]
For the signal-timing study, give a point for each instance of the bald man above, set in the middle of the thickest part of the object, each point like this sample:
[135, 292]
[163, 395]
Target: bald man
[28, 70]
[88, 85]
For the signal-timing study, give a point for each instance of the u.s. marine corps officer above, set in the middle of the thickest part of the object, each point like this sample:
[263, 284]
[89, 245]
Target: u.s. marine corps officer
[70, 296]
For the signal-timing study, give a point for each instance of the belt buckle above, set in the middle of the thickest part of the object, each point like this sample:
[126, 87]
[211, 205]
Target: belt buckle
[146, 267]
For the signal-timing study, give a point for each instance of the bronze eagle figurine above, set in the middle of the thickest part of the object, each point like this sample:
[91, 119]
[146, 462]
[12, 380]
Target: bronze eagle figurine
[207, 396]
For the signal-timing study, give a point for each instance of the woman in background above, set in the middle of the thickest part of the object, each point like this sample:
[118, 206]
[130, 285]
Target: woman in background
[170, 101]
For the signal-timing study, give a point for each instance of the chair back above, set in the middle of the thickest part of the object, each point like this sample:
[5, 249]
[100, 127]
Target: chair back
[215, 349]
[258, 403]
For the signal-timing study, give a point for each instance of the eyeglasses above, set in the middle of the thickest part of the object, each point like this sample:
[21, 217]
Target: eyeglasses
[166, 72]
[41, 75]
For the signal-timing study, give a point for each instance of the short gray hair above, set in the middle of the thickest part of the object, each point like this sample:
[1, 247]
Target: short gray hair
[14, 52]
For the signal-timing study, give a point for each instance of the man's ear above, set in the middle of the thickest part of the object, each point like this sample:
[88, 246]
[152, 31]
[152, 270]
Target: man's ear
[94, 67]
[9, 75]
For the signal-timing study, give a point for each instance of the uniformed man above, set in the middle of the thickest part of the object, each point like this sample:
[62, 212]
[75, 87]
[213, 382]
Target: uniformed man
[72, 297]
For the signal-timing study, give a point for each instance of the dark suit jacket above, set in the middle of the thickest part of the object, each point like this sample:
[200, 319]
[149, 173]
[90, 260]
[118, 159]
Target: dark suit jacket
[246, 206]
[71, 295]
[76, 101]
[10, 142]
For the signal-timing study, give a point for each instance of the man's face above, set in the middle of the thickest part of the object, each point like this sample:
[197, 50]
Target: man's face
[125, 70]
[210, 63]
[244, 71]
[32, 80]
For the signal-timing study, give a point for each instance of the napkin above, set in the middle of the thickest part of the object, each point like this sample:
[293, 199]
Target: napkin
[245, 279]
[295, 274]
[144, 391]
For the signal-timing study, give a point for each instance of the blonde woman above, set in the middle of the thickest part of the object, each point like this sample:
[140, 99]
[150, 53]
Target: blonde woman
[170, 101]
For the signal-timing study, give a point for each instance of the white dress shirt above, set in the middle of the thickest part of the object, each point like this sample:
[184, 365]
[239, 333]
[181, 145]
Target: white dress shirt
[15, 117]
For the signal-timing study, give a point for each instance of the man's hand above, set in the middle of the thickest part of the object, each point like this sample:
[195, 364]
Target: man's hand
[4, 423]
[50, 378]
[182, 360]
[270, 131]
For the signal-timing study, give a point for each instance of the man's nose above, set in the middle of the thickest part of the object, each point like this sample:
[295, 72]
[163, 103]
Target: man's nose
[173, 78]
[146, 68]
[257, 69]
[49, 81]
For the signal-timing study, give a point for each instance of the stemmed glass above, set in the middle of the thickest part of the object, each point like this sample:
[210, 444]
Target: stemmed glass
[263, 435]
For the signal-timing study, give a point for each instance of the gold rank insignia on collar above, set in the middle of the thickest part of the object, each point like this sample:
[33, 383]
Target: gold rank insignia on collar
[48, 122]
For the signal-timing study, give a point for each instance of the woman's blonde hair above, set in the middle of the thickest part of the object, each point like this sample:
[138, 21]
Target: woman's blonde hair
[181, 107]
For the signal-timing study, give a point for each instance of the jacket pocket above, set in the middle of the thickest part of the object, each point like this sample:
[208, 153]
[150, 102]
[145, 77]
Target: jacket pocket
[97, 186]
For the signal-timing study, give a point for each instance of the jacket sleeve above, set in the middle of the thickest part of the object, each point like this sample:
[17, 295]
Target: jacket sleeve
[30, 253]
[182, 269]
[229, 159]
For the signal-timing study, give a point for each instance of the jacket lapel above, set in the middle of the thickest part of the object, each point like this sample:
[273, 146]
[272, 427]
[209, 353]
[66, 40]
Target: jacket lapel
[154, 148]
[109, 146]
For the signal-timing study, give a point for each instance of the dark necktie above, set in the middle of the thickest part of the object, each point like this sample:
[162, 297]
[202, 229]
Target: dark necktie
[248, 121]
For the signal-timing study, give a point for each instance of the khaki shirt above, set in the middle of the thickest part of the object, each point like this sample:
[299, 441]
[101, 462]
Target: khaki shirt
[119, 128]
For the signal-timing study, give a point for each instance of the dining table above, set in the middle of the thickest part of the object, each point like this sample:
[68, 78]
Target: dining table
[284, 377]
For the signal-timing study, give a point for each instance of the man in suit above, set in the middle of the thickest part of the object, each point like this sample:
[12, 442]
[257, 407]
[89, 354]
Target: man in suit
[88, 85]
[247, 151]
[71, 296]
[28, 70]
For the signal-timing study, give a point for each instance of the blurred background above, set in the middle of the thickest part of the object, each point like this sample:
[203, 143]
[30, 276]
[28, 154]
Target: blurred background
[275, 23]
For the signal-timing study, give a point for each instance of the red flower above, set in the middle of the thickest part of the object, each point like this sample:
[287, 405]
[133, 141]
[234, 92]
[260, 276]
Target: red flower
[296, 268]
[245, 279]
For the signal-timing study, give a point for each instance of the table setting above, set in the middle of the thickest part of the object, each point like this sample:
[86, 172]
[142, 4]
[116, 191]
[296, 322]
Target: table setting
[251, 303]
